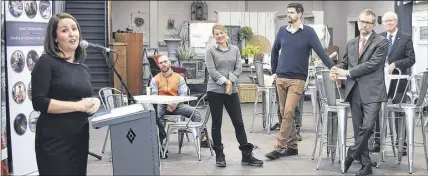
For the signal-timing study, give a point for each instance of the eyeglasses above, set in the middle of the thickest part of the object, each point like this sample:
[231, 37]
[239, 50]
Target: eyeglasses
[364, 22]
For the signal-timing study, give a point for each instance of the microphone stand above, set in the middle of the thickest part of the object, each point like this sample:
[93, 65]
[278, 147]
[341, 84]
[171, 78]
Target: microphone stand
[95, 155]
[131, 99]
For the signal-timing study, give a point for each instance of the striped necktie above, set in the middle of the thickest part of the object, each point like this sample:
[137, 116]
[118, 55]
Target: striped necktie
[389, 44]
[362, 43]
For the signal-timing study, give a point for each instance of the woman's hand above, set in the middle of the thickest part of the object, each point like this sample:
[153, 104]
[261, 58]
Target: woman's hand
[96, 105]
[84, 105]
[88, 105]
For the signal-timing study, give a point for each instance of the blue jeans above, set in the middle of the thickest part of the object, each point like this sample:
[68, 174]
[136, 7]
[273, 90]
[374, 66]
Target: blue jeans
[182, 109]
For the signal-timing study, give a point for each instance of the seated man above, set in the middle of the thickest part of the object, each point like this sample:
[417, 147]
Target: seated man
[167, 82]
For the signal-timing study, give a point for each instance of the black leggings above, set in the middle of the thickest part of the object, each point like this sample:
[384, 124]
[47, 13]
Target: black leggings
[233, 108]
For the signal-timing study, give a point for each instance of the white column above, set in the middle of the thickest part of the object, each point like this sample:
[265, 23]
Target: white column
[242, 6]
[153, 24]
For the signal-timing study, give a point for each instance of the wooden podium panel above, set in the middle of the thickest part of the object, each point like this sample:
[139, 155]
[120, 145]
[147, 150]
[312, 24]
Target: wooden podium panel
[134, 63]
[120, 64]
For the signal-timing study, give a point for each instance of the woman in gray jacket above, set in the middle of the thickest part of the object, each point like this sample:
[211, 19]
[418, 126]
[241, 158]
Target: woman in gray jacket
[224, 66]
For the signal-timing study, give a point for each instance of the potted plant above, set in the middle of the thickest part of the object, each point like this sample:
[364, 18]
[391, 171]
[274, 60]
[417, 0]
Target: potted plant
[249, 52]
[172, 42]
[184, 52]
[245, 33]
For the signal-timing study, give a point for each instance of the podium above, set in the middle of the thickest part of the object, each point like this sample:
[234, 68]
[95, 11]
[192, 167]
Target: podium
[134, 139]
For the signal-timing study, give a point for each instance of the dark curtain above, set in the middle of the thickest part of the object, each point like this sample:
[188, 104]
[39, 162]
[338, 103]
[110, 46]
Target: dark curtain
[404, 13]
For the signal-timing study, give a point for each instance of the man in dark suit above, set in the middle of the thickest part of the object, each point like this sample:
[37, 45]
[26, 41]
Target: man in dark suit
[400, 56]
[363, 63]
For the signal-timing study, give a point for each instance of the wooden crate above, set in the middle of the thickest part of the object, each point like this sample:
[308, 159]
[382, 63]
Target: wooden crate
[247, 93]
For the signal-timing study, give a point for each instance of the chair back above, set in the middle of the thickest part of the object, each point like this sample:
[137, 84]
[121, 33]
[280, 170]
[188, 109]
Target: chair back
[421, 80]
[259, 73]
[154, 69]
[398, 82]
[329, 88]
[111, 98]
[319, 68]
[423, 85]
[319, 85]
[204, 120]
[207, 115]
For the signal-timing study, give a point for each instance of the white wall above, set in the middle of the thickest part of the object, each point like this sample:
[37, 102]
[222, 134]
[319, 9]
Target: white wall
[121, 14]
[420, 19]
[277, 6]
[336, 14]
[179, 10]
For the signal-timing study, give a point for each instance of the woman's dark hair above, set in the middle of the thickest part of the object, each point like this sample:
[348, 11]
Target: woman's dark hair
[51, 47]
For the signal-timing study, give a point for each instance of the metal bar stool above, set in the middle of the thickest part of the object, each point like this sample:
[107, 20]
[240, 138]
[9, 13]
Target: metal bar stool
[332, 124]
[333, 105]
[313, 90]
[410, 110]
[390, 122]
[268, 98]
[269, 103]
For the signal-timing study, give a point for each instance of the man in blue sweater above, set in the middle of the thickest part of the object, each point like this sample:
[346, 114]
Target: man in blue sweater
[291, 69]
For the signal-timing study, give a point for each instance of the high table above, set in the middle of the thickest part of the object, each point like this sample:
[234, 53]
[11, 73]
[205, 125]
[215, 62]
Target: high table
[162, 99]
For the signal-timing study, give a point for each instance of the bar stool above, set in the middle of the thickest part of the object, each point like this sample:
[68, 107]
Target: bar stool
[269, 106]
[410, 110]
[268, 98]
[333, 105]
[390, 122]
[313, 91]
[320, 104]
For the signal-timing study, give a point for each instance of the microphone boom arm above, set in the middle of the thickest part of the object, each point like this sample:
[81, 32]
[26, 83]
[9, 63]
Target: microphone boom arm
[131, 99]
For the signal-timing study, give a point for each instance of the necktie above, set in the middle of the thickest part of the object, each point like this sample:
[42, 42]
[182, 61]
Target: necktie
[362, 42]
[389, 44]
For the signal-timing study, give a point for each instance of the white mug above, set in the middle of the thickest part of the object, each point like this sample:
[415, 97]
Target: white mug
[148, 91]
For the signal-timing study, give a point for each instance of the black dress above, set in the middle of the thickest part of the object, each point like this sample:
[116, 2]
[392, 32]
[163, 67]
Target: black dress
[62, 140]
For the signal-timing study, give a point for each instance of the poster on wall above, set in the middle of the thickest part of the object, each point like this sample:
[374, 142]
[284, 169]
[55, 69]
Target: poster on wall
[26, 23]
[3, 137]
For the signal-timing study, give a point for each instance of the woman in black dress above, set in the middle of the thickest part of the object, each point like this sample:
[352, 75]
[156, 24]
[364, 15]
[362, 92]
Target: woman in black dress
[62, 93]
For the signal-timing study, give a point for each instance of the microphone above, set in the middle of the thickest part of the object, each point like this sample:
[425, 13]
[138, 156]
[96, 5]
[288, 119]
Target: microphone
[84, 44]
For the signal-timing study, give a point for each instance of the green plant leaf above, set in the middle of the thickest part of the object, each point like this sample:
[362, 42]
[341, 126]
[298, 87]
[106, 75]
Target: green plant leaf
[245, 33]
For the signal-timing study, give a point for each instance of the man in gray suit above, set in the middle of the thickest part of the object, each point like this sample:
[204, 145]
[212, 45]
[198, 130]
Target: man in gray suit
[401, 55]
[363, 63]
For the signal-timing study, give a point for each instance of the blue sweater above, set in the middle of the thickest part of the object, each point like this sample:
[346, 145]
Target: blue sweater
[293, 62]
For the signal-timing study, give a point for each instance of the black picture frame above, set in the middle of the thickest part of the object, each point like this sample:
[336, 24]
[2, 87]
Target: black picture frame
[233, 33]
[191, 69]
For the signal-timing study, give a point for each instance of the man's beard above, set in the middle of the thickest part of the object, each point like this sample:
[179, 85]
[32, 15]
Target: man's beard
[364, 31]
[291, 21]
[167, 70]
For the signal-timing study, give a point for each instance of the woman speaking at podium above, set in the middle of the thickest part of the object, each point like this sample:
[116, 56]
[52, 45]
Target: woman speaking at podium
[62, 93]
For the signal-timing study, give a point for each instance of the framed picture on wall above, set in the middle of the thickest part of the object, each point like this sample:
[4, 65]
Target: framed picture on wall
[423, 35]
[191, 69]
[233, 33]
